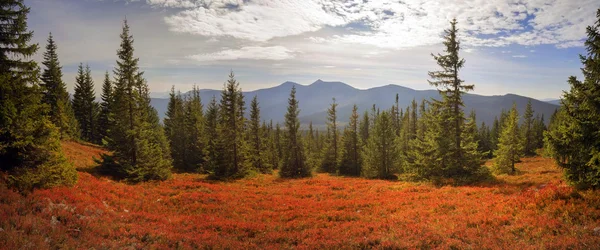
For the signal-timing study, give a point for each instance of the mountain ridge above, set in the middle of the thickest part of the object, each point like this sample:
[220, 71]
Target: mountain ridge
[315, 99]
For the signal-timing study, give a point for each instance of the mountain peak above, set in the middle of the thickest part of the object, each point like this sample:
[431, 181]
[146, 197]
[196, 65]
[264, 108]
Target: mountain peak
[320, 82]
[288, 84]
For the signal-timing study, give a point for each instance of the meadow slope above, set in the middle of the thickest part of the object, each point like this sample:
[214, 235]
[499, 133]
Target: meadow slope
[534, 210]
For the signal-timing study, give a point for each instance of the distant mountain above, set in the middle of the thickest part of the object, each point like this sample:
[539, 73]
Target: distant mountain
[316, 98]
[553, 101]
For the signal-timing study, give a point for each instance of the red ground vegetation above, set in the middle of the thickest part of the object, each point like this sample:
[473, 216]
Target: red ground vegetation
[532, 210]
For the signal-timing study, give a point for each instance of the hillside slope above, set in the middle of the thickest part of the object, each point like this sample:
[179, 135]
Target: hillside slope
[534, 210]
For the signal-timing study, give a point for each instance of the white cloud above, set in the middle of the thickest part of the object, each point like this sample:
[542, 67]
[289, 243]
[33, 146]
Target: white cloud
[390, 24]
[519, 56]
[276, 53]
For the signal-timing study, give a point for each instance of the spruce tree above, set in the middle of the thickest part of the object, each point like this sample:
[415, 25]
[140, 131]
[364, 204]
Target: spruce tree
[495, 134]
[195, 139]
[485, 141]
[55, 93]
[331, 153]
[351, 162]
[424, 156]
[175, 130]
[84, 104]
[575, 137]
[212, 136]
[258, 152]
[139, 145]
[30, 149]
[455, 158]
[539, 127]
[364, 129]
[294, 160]
[473, 159]
[232, 145]
[414, 120]
[273, 150]
[279, 144]
[104, 116]
[382, 154]
[422, 126]
[510, 146]
[312, 152]
[528, 133]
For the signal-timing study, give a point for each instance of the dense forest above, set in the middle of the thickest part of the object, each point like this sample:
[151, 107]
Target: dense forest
[430, 140]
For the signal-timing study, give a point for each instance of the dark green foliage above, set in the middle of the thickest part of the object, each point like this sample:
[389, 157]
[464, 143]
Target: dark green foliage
[573, 135]
[331, 151]
[56, 95]
[312, 150]
[364, 129]
[351, 161]
[510, 146]
[456, 155]
[539, 126]
[294, 159]
[185, 128]
[527, 129]
[232, 146]
[139, 145]
[212, 136]
[279, 144]
[30, 148]
[175, 130]
[257, 153]
[104, 115]
[273, 147]
[196, 141]
[84, 104]
[485, 141]
[381, 156]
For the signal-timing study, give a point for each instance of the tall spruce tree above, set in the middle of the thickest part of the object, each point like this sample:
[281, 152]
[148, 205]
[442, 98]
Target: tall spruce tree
[527, 130]
[381, 156]
[364, 129]
[279, 144]
[331, 154]
[30, 149]
[539, 126]
[510, 146]
[232, 145]
[139, 145]
[84, 104]
[196, 141]
[575, 138]
[351, 162]
[485, 141]
[212, 136]
[55, 93]
[175, 130]
[294, 160]
[273, 148]
[257, 153]
[104, 115]
[451, 88]
[311, 144]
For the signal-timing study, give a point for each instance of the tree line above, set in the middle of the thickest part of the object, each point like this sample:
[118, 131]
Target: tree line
[430, 140]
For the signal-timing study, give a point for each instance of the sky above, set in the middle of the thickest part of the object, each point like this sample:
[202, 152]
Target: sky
[528, 48]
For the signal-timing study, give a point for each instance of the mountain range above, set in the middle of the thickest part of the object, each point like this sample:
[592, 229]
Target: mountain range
[315, 99]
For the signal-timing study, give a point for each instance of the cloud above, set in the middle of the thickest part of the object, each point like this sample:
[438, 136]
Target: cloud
[389, 24]
[519, 56]
[276, 53]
